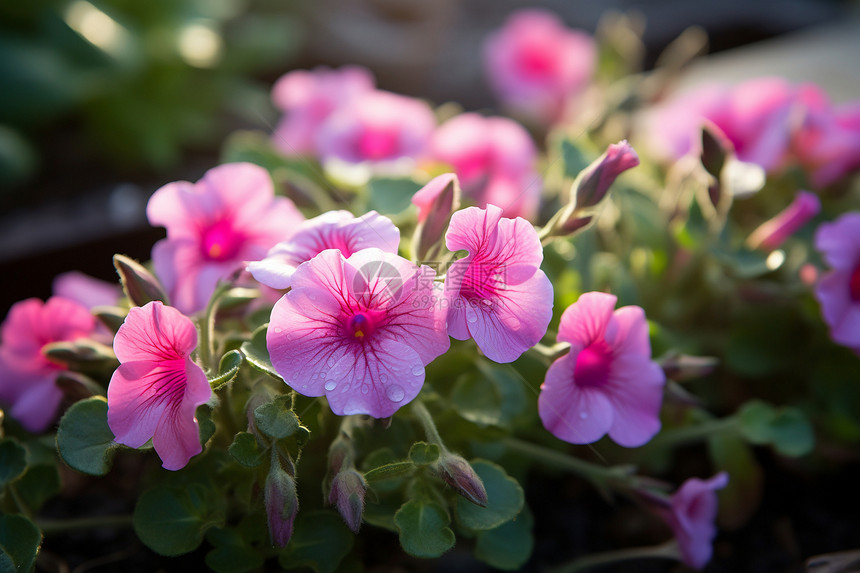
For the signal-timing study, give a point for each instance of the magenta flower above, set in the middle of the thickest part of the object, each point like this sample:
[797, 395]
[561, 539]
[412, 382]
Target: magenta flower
[838, 290]
[596, 179]
[359, 330]
[376, 126]
[156, 389]
[308, 98]
[535, 64]
[607, 382]
[332, 230]
[86, 290]
[494, 158]
[27, 377]
[497, 294]
[773, 232]
[691, 515]
[213, 226]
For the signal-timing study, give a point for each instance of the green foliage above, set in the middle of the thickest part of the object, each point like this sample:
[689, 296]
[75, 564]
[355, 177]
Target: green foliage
[389, 471]
[494, 396]
[423, 454]
[423, 528]
[505, 499]
[38, 485]
[13, 460]
[257, 354]
[509, 545]
[228, 369]
[173, 520]
[231, 553]
[19, 544]
[320, 541]
[575, 158]
[276, 419]
[740, 498]
[246, 450]
[84, 439]
[389, 196]
[787, 429]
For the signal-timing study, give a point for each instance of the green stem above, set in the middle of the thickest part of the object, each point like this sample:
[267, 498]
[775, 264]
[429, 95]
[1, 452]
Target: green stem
[206, 348]
[551, 352]
[668, 550]
[423, 415]
[694, 433]
[56, 526]
[600, 475]
[19, 503]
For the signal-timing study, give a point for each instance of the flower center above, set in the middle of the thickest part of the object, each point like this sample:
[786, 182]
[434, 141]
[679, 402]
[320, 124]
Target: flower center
[377, 144]
[593, 364]
[360, 326]
[536, 61]
[220, 242]
[854, 284]
[481, 282]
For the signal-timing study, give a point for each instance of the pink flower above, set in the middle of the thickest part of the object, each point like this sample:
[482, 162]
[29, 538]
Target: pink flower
[497, 293]
[535, 64]
[596, 179]
[213, 226]
[377, 126]
[691, 515]
[156, 389]
[436, 202]
[828, 142]
[772, 233]
[753, 115]
[607, 382]
[358, 330]
[27, 377]
[838, 290]
[308, 98]
[494, 158]
[86, 290]
[332, 230]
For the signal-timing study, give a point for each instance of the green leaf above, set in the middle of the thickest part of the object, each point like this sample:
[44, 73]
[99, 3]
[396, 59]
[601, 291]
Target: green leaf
[509, 545]
[388, 471]
[792, 433]
[390, 196]
[40, 483]
[230, 553]
[13, 460]
[575, 160]
[246, 450]
[741, 497]
[257, 353]
[172, 520]
[320, 541]
[505, 499]
[422, 453]
[476, 399]
[423, 528]
[19, 544]
[276, 419]
[755, 418]
[228, 369]
[206, 427]
[84, 440]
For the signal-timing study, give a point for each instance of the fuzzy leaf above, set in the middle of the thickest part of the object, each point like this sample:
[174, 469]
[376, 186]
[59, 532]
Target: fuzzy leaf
[228, 369]
[422, 453]
[257, 353]
[13, 460]
[509, 545]
[505, 499]
[276, 419]
[172, 521]
[84, 439]
[246, 450]
[19, 544]
[423, 528]
[320, 541]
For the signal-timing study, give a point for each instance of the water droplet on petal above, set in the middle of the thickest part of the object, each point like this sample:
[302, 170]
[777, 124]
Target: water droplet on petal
[365, 389]
[583, 415]
[383, 377]
[279, 330]
[471, 317]
[330, 361]
[330, 385]
[418, 371]
[395, 393]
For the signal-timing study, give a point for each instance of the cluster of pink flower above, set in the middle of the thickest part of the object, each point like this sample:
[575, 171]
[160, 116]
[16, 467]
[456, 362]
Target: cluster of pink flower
[770, 122]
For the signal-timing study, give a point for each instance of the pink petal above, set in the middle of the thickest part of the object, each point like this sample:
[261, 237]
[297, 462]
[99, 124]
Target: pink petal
[587, 319]
[425, 197]
[627, 332]
[86, 290]
[846, 330]
[839, 241]
[470, 229]
[177, 437]
[172, 206]
[573, 414]
[36, 407]
[135, 406]
[635, 389]
[155, 331]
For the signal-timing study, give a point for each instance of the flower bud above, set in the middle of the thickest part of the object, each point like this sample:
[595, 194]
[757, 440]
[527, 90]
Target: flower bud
[771, 234]
[594, 181]
[682, 367]
[347, 495]
[458, 473]
[282, 503]
[436, 201]
[138, 284]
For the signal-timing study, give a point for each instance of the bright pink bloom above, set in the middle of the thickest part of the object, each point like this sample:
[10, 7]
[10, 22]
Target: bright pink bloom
[376, 126]
[86, 290]
[156, 389]
[691, 515]
[27, 377]
[828, 142]
[497, 294]
[754, 116]
[772, 233]
[838, 290]
[607, 382]
[593, 184]
[332, 230]
[213, 226]
[308, 98]
[494, 158]
[535, 64]
[358, 330]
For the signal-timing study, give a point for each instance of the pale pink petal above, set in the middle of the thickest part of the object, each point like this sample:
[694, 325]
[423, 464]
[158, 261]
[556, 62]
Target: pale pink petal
[573, 414]
[86, 290]
[154, 331]
[134, 403]
[425, 197]
[36, 407]
[694, 509]
[470, 229]
[839, 241]
[636, 392]
[517, 248]
[627, 332]
[177, 437]
[586, 321]
[172, 206]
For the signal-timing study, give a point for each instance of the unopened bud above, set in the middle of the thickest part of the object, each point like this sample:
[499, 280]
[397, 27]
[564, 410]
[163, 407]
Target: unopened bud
[436, 201]
[716, 148]
[138, 284]
[458, 473]
[282, 504]
[771, 234]
[681, 367]
[79, 355]
[348, 489]
[594, 181]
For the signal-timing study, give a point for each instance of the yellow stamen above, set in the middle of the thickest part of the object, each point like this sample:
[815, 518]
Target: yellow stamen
[215, 250]
[359, 334]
